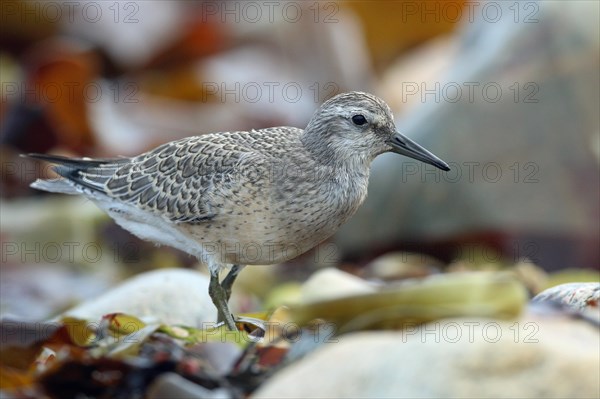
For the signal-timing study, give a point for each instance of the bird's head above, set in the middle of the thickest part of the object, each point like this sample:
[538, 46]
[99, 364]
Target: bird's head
[361, 125]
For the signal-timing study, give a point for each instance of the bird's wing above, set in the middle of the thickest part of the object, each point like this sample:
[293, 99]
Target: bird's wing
[186, 181]
[191, 180]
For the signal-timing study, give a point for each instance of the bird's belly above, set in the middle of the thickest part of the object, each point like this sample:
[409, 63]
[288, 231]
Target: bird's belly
[262, 241]
[256, 244]
[270, 231]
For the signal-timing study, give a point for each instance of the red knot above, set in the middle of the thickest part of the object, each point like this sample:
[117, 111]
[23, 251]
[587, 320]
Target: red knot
[233, 199]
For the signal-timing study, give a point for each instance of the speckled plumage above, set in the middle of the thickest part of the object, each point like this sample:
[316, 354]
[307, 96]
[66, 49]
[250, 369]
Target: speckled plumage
[257, 197]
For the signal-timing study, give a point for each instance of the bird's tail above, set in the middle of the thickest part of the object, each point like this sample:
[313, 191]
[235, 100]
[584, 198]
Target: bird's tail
[76, 174]
[59, 185]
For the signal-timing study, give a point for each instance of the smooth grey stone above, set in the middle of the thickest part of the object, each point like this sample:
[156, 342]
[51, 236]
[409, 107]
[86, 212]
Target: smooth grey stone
[531, 357]
[168, 296]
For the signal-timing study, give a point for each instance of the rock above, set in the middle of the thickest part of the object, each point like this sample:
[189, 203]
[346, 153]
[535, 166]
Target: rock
[171, 385]
[332, 283]
[501, 180]
[402, 265]
[532, 357]
[576, 296]
[219, 357]
[39, 291]
[582, 298]
[169, 296]
[532, 276]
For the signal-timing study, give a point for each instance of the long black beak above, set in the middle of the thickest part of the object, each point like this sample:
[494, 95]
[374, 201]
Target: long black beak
[405, 146]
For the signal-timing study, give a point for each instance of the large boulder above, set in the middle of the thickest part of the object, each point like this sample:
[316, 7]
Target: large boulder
[532, 357]
[515, 114]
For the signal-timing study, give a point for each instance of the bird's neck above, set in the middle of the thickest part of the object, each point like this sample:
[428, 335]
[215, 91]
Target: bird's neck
[336, 157]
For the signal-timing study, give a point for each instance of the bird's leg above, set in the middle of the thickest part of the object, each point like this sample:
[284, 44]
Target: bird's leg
[219, 298]
[228, 281]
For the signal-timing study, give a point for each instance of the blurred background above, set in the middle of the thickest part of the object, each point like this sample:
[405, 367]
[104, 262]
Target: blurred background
[506, 92]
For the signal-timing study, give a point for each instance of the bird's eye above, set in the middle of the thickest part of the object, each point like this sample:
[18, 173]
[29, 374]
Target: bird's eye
[359, 120]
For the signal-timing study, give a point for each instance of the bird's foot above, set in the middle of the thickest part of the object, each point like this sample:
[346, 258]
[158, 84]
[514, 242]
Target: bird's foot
[227, 317]
[220, 297]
